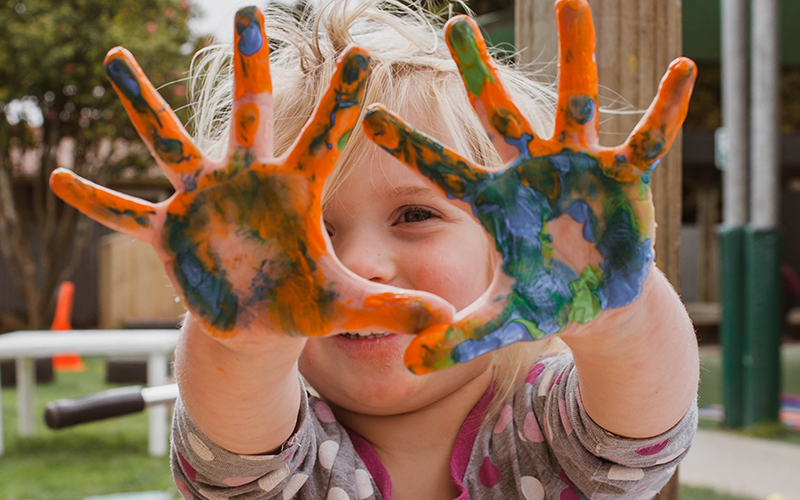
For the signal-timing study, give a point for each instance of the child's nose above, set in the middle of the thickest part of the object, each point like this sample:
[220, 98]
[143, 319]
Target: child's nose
[368, 256]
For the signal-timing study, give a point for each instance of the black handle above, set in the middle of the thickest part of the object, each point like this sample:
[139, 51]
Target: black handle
[98, 406]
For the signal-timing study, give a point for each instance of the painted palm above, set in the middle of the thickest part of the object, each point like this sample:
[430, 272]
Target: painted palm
[242, 238]
[572, 221]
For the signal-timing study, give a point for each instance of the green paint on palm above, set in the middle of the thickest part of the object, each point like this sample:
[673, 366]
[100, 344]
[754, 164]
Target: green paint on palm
[468, 58]
[534, 330]
[585, 304]
[546, 240]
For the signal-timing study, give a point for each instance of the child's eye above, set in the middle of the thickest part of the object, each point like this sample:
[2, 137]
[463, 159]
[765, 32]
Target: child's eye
[415, 214]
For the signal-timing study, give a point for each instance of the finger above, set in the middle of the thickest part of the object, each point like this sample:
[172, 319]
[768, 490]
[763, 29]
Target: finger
[491, 323]
[363, 305]
[114, 210]
[157, 124]
[325, 135]
[577, 111]
[398, 311]
[452, 173]
[508, 130]
[656, 131]
[252, 95]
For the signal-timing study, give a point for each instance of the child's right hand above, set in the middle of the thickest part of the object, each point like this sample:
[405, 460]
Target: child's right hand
[242, 238]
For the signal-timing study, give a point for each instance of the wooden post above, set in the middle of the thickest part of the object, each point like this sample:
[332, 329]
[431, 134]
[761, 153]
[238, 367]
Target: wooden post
[636, 41]
[707, 218]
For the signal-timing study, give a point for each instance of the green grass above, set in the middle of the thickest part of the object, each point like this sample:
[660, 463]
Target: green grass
[710, 392]
[92, 459]
[694, 493]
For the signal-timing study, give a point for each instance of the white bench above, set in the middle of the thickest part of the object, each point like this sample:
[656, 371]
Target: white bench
[25, 346]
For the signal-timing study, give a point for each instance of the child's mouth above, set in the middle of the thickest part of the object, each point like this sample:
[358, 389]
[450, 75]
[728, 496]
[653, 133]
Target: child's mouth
[362, 336]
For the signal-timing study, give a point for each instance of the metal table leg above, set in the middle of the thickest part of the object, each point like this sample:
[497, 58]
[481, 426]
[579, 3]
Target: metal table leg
[157, 372]
[26, 387]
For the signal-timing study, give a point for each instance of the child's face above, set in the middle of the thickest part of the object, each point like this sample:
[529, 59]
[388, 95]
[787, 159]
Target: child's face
[388, 225]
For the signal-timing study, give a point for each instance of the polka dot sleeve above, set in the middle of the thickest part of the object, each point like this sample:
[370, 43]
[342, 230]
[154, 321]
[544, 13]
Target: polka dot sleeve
[579, 458]
[317, 461]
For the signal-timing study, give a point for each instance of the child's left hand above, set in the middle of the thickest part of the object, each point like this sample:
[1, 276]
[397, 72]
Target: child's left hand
[555, 269]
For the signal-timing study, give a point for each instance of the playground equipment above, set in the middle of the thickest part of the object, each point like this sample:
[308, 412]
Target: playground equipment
[107, 404]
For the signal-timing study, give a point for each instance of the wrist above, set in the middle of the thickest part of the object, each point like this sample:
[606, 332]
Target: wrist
[243, 397]
[231, 367]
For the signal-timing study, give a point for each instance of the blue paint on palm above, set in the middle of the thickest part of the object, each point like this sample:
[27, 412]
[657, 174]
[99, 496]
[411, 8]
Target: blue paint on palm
[514, 207]
[521, 144]
[581, 213]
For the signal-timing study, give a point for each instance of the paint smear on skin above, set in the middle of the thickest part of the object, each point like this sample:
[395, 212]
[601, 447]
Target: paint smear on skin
[246, 121]
[581, 109]
[141, 219]
[462, 42]
[169, 150]
[249, 30]
[119, 213]
[346, 98]
[158, 126]
[127, 82]
[240, 204]
[251, 61]
[585, 304]
[648, 146]
[487, 93]
[581, 213]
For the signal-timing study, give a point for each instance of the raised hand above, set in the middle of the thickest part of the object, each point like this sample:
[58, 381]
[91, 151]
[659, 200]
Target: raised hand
[572, 221]
[242, 238]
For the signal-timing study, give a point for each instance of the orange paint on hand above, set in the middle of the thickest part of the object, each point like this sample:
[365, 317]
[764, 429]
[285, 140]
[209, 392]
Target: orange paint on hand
[120, 212]
[251, 58]
[428, 349]
[246, 123]
[154, 120]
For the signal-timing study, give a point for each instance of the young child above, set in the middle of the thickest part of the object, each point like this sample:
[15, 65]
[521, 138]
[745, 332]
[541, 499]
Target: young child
[244, 243]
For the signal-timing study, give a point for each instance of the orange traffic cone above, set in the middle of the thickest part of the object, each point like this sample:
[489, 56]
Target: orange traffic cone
[68, 362]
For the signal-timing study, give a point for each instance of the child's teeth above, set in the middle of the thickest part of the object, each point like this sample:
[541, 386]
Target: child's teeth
[358, 336]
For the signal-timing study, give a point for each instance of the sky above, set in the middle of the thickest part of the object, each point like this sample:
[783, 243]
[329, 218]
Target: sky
[218, 15]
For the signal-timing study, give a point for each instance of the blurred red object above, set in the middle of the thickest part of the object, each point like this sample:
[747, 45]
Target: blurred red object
[68, 362]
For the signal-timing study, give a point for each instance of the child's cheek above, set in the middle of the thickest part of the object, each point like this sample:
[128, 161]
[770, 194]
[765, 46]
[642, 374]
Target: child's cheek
[458, 272]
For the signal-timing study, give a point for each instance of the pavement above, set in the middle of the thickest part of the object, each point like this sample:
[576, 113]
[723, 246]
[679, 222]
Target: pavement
[742, 465]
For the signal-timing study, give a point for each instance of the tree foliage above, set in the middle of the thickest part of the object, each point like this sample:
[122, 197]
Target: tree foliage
[51, 66]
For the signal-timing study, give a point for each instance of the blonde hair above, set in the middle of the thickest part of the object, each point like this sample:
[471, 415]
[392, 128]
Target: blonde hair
[412, 73]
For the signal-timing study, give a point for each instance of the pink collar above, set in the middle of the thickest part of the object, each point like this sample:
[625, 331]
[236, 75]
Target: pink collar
[459, 460]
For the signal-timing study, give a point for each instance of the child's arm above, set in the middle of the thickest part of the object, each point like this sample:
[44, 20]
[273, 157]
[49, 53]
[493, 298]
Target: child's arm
[574, 225]
[244, 398]
[243, 243]
[638, 365]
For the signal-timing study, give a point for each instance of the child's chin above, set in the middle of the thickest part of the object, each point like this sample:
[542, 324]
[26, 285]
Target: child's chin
[390, 396]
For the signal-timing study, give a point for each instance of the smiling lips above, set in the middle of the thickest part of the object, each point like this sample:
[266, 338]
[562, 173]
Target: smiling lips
[357, 336]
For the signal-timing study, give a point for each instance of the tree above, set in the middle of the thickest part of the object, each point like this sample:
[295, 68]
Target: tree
[56, 106]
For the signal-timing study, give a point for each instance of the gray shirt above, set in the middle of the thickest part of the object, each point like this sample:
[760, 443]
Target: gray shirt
[542, 445]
